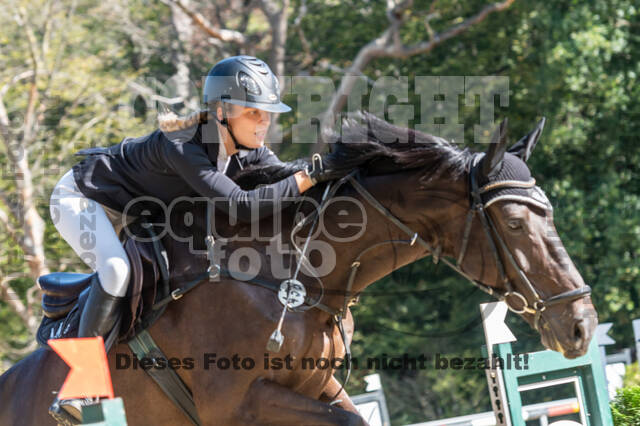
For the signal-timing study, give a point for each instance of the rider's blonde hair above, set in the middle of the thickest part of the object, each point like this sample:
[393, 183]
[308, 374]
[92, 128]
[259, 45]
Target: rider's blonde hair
[169, 121]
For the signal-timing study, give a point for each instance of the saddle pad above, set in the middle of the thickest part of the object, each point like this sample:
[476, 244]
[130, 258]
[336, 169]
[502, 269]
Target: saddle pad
[65, 327]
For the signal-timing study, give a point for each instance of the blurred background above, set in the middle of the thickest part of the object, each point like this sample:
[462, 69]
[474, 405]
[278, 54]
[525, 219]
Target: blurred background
[79, 73]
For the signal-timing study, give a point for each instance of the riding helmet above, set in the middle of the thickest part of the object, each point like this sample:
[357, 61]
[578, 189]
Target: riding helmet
[246, 81]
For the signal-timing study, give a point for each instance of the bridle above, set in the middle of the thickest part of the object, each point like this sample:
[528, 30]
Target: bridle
[510, 295]
[478, 207]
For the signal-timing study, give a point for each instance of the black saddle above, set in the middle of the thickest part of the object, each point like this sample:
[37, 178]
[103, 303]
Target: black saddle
[65, 294]
[61, 290]
[67, 325]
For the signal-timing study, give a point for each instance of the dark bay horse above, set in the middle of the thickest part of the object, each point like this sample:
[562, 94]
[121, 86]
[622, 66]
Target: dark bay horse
[483, 211]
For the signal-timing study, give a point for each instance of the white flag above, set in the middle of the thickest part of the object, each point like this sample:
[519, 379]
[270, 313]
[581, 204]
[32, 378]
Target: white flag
[495, 330]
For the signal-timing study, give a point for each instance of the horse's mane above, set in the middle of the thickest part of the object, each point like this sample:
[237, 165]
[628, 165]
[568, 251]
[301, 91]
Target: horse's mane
[377, 147]
[362, 144]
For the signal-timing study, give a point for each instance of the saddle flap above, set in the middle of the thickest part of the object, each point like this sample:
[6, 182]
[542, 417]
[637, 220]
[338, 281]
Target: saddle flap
[142, 290]
[61, 290]
[134, 291]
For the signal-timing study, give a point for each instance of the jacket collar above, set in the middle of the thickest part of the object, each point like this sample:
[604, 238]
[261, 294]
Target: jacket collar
[208, 136]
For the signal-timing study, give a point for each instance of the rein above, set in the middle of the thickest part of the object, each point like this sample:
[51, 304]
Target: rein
[477, 208]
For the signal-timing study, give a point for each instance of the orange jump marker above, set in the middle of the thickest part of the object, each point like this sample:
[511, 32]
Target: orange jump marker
[89, 375]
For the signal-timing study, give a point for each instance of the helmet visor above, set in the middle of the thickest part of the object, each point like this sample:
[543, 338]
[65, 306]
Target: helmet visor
[279, 107]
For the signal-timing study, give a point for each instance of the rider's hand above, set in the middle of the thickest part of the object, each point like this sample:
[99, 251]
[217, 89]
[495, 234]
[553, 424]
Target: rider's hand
[316, 171]
[303, 180]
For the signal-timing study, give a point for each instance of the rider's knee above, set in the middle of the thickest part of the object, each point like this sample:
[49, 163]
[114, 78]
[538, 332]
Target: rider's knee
[114, 275]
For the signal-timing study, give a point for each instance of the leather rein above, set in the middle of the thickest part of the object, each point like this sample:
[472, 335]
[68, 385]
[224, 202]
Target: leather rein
[534, 305]
[510, 294]
[477, 207]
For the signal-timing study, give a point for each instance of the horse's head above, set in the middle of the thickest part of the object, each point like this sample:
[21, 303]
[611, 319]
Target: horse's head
[513, 247]
[503, 237]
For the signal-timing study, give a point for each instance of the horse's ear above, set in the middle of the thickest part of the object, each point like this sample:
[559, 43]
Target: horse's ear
[524, 147]
[492, 162]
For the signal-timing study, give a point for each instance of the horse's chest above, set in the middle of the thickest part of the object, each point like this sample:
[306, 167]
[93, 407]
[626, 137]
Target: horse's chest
[321, 350]
[323, 344]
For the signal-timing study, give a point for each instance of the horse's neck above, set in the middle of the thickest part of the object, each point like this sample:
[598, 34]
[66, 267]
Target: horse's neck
[436, 212]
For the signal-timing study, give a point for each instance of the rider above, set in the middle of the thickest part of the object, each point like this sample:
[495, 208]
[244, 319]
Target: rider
[183, 157]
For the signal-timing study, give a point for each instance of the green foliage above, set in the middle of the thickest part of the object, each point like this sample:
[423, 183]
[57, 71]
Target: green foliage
[625, 408]
[82, 95]
[632, 375]
[574, 62]
[577, 64]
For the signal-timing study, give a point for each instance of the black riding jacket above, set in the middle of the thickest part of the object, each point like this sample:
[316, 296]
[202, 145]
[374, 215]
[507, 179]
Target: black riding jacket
[170, 165]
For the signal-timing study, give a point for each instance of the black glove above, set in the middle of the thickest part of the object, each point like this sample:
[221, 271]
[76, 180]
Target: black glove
[316, 172]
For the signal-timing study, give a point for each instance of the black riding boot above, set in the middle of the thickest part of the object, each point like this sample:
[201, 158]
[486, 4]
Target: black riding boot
[100, 314]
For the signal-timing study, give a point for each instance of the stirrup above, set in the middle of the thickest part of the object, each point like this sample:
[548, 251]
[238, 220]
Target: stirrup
[68, 412]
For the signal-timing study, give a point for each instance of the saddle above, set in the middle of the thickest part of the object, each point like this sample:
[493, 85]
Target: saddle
[149, 292]
[65, 294]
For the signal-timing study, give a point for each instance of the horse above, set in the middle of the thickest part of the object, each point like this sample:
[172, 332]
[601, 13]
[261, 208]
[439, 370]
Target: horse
[400, 195]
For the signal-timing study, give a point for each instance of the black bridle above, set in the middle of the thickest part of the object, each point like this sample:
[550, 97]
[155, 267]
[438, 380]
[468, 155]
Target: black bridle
[534, 305]
[477, 208]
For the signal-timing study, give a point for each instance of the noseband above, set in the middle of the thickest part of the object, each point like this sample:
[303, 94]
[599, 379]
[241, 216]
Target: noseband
[511, 296]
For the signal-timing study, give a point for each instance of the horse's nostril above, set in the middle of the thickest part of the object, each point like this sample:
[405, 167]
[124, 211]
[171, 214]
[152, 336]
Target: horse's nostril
[578, 330]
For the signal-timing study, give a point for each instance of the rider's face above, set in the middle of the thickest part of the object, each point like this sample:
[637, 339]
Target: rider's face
[249, 125]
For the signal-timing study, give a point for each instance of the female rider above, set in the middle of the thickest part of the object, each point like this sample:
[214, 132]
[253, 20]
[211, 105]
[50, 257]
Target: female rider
[194, 155]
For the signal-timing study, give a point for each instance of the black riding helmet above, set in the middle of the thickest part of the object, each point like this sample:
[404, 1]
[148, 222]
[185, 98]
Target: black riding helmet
[246, 81]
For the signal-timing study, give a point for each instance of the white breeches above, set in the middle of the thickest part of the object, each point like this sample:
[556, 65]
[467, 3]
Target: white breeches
[85, 226]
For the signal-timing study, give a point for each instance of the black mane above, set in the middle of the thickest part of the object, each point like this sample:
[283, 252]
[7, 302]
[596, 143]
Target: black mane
[375, 146]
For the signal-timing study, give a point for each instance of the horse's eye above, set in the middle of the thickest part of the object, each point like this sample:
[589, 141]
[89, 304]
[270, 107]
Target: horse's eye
[514, 224]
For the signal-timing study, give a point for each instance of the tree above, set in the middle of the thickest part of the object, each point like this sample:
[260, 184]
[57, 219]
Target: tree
[52, 98]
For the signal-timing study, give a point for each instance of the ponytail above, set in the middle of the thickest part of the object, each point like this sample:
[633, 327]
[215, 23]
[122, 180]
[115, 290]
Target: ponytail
[170, 122]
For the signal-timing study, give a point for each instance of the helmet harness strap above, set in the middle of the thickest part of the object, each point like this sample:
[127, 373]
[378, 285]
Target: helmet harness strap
[225, 122]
